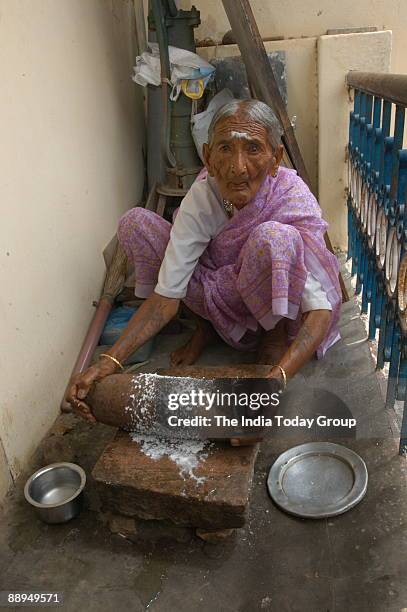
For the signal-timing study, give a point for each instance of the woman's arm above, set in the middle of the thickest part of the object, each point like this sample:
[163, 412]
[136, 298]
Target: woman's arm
[310, 336]
[303, 347]
[146, 322]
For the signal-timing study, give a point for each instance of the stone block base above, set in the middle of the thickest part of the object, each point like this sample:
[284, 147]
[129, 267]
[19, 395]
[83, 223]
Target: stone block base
[134, 485]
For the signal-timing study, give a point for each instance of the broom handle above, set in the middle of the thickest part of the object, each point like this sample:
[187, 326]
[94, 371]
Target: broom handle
[89, 344]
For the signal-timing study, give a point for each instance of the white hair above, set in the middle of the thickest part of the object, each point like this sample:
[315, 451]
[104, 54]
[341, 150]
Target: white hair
[256, 111]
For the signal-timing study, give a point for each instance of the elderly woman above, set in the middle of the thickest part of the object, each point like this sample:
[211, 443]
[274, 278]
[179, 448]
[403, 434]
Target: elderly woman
[246, 254]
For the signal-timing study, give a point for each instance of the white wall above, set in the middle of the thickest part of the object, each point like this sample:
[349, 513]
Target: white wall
[337, 55]
[72, 128]
[296, 18]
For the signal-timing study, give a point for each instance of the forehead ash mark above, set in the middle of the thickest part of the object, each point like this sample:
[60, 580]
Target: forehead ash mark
[237, 126]
[239, 135]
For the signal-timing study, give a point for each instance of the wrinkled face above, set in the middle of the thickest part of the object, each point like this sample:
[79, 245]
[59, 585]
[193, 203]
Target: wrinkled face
[240, 157]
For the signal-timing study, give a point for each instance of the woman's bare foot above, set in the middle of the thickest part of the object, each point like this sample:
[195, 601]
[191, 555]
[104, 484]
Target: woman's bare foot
[200, 339]
[273, 345]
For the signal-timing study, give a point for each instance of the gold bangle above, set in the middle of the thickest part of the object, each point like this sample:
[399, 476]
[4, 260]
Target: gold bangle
[283, 374]
[117, 362]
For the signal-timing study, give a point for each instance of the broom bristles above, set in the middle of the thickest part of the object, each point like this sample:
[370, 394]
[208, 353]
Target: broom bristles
[115, 275]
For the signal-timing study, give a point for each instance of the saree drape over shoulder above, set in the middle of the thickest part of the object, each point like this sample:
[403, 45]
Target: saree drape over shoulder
[252, 269]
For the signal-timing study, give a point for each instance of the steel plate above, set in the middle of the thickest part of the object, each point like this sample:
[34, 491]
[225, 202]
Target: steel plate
[317, 480]
[359, 184]
[350, 176]
[402, 284]
[371, 220]
[381, 238]
[364, 206]
[392, 261]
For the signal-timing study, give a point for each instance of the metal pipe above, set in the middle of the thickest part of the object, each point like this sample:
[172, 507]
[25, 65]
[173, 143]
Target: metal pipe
[162, 40]
[89, 344]
[171, 7]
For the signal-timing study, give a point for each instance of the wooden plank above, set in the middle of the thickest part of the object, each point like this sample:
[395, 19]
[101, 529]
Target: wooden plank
[261, 77]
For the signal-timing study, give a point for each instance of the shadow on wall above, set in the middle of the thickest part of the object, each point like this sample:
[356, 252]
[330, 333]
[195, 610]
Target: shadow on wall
[6, 479]
[114, 20]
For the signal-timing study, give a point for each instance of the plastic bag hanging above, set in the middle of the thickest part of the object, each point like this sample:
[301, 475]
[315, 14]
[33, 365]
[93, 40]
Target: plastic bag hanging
[189, 72]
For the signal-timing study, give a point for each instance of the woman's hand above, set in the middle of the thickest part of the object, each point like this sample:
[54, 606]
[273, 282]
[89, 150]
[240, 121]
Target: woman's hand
[81, 383]
[155, 312]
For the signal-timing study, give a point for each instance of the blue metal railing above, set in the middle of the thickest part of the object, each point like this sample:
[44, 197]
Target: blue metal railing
[377, 220]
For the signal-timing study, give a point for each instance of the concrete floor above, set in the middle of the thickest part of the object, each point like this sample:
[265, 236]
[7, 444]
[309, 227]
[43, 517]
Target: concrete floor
[354, 562]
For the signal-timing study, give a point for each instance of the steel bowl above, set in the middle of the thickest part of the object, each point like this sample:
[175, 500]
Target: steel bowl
[56, 492]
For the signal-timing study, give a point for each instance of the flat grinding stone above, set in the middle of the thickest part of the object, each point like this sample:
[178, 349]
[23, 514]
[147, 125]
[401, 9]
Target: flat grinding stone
[245, 370]
[132, 484]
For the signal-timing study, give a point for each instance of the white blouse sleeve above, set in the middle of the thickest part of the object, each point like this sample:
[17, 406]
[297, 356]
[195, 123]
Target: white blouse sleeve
[199, 219]
[313, 296]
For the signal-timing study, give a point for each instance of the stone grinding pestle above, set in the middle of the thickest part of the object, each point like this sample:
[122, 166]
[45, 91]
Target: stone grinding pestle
[124, 401]
[130, 401]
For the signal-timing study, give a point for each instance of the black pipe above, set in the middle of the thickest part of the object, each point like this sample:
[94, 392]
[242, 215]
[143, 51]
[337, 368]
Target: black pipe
[171, 7]
[162, 39]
